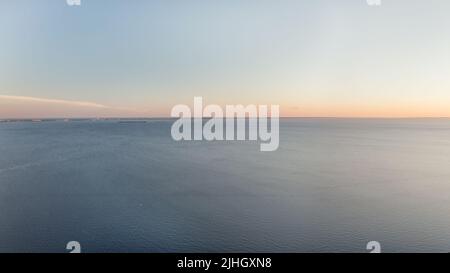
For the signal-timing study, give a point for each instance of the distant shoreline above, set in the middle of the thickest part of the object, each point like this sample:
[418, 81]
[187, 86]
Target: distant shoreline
[143, 120]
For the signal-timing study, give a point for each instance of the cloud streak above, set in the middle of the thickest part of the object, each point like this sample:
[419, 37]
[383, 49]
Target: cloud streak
[53, 101]
[33, 107]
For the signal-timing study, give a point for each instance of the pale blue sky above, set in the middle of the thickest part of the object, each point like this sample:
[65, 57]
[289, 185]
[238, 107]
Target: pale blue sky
[311, 53]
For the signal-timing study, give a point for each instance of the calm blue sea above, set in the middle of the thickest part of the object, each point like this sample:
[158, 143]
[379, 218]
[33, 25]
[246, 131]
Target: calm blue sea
[332, 186]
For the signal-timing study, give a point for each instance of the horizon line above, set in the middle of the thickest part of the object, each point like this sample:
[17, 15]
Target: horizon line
[166, 117]
[132, 113]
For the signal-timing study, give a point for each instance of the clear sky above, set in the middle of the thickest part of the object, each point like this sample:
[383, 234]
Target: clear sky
[141, 57]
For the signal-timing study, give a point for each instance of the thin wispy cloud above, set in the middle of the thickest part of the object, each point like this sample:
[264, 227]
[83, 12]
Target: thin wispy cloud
[34, 107]
[54, 101]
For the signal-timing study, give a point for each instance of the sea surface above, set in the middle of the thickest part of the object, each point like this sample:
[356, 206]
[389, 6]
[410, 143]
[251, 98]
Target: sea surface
[332, 186]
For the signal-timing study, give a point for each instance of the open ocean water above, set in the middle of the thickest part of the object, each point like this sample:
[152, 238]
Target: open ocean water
[332, 186]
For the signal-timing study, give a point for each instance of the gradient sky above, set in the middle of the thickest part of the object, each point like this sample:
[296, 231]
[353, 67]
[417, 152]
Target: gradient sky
[141, 57]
